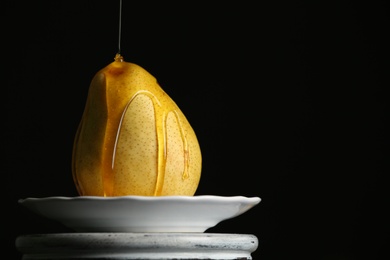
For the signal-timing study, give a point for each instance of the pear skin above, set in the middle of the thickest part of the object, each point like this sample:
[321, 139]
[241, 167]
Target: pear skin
[133, 139]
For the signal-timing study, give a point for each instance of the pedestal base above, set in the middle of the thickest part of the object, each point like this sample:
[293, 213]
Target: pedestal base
[123, 246]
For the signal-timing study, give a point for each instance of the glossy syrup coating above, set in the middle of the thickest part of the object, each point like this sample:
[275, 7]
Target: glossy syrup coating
[133, 139]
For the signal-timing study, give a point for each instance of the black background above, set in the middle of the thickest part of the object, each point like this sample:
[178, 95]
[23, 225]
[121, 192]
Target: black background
[288, 103]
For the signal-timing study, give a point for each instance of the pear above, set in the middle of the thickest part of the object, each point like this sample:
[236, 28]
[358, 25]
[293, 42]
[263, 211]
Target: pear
[133, 139]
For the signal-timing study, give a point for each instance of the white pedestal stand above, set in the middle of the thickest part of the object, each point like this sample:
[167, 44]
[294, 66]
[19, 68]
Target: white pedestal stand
[126, 246]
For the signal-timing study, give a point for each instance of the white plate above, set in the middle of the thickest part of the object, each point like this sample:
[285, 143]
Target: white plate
[140, 213]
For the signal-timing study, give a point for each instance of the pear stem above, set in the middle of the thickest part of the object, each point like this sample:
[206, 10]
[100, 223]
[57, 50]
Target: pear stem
[118, 57]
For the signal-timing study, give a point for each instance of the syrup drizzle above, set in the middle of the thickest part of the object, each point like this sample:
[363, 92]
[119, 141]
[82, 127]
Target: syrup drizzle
[120, 28]
[160, 119]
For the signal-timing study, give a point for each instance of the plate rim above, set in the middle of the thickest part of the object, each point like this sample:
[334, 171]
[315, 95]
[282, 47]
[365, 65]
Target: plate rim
[197, 198]
[42, 207]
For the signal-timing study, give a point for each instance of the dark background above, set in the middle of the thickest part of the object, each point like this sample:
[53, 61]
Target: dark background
[288, 103]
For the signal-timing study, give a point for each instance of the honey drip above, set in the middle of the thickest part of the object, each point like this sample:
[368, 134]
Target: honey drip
[160, 120]
[186, 151]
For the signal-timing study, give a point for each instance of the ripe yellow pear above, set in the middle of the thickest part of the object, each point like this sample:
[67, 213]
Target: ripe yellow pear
[133, 139]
